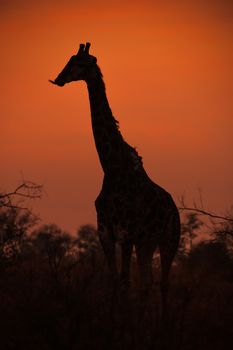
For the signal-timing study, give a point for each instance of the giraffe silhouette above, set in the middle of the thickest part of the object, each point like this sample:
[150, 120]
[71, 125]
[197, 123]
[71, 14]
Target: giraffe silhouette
[131, 209]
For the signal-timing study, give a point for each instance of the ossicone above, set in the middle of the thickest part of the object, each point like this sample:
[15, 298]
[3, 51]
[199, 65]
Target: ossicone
[87, 47]
[81, 49]
[84, 49]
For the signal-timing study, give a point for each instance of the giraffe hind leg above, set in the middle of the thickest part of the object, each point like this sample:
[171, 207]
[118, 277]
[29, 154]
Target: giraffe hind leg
[168, 248]
[126, 253]
[144, 254]
[144, 259]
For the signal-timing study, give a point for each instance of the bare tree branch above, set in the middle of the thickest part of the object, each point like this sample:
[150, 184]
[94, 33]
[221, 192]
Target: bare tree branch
[202, 211]
[26, 190]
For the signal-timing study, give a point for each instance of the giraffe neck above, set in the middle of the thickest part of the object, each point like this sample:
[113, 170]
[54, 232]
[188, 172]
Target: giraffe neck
[108, 139]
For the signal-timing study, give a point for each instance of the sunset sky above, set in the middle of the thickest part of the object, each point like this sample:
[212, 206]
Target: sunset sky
[168, 71]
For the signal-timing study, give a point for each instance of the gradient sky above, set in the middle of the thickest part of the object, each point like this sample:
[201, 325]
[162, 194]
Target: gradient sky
[168, 70]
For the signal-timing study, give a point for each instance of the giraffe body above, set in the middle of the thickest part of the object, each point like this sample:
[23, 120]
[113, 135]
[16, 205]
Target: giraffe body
[134, 211]
[131, 209]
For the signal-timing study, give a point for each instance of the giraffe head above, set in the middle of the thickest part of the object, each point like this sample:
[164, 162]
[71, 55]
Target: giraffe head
[81, 66]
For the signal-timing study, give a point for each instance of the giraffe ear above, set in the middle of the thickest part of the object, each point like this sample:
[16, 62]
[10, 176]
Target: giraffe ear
[81, 49]
[86, 50]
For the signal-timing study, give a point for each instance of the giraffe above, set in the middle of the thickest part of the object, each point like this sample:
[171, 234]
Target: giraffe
[131, 209]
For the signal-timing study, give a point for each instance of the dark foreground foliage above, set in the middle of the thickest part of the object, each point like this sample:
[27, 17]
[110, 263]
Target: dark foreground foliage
[75, 306]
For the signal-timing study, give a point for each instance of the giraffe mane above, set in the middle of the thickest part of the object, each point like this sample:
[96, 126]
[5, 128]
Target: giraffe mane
[137, 159]
[137, 155]
[99, 73]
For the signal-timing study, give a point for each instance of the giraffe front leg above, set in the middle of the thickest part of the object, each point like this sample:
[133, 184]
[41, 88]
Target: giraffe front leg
[126, 253]
[108, 245]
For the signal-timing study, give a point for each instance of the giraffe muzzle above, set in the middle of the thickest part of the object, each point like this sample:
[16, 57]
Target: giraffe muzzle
[56, 82]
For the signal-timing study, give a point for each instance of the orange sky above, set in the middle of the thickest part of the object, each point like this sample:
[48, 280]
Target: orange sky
[168, 71]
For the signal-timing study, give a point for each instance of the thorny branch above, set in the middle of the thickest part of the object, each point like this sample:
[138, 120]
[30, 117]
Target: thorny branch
[202, 211]
[26, 190]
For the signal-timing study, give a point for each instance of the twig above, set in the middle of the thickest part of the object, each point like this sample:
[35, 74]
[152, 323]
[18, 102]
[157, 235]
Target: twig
[26, 190]
[203, 212]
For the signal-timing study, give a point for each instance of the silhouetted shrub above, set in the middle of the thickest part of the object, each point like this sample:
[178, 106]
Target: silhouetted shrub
[53, 298]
